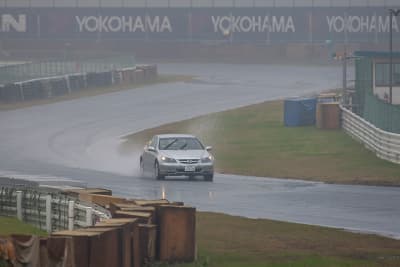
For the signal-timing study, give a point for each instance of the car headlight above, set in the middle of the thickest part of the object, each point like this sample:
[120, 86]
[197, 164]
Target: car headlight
[207, 159]
[168, 160]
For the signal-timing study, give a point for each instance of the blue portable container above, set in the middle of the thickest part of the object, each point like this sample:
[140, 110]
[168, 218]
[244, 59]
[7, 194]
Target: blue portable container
[299, 111]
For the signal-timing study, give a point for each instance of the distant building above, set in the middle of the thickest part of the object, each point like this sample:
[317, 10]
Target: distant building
[372, 83]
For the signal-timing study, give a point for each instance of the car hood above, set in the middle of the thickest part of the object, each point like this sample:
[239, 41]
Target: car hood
[185, 154]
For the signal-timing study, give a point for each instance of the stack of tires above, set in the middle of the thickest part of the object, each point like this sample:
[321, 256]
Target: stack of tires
[10, 92]
[76, 82]
[99, 79]
[32, 89]
[61, 85]
[149, 72]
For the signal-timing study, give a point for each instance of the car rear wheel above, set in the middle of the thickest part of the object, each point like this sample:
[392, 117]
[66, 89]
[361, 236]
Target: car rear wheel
[209, 177]
[157, 172]
[141, 167]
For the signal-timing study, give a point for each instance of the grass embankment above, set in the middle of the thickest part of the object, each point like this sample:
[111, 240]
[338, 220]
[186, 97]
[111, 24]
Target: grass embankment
[253, 141]
[10, 226]
[231, 241]
[227, 241]
[94, 91]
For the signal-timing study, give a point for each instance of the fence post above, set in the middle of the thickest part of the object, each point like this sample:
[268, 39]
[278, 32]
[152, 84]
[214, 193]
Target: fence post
[49, 214]
[19, 205]
[21, 90]
[71, 206]
[89, 213]
[66, 77]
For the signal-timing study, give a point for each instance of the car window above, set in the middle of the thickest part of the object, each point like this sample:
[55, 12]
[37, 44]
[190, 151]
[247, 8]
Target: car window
[153, 142]
[180, 143]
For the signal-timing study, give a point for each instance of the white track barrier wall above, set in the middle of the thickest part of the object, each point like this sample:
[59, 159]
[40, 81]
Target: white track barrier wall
[386, 145]
[49, 211]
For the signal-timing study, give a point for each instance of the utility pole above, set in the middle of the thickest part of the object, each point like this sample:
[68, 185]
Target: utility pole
[393, 12]
[344, 60]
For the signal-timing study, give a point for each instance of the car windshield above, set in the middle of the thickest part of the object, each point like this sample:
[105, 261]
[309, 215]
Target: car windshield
[180, 143]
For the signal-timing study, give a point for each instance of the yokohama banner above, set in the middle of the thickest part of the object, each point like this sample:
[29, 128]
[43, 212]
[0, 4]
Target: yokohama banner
[318, 24]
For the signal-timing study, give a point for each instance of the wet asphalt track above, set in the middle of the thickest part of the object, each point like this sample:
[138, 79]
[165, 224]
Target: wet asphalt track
[79, 140]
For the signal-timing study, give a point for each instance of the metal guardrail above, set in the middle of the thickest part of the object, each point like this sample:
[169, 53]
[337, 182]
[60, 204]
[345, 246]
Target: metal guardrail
[49, 211]
[386, 145]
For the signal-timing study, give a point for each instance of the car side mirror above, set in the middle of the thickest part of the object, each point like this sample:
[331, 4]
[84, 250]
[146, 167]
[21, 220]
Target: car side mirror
[151, 148]
[209, 148]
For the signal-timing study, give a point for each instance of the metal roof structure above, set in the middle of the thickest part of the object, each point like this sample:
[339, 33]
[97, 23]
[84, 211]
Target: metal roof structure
[377, 54]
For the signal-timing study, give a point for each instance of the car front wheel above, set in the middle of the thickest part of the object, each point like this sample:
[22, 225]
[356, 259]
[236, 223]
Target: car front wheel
[141, 167]
[209, 177]
[157, 172]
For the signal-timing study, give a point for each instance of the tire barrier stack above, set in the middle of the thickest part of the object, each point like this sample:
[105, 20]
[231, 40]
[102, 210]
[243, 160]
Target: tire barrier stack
[99, 79]
[31, 90]
[149, 72]
[11, 93]
[25, 70]
[59, 86]
[50, 87]
[139, 233]
[77, 82]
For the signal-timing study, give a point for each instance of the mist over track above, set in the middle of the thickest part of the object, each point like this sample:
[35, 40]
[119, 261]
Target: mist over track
[80, 140]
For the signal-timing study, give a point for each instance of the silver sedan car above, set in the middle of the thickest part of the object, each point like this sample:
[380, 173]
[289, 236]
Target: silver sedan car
[177, 155]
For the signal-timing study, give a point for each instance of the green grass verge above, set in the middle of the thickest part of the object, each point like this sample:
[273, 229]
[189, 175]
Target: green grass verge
[94, 91]
[9, 225]
[253, 141]
[229, 241]
[225, 240]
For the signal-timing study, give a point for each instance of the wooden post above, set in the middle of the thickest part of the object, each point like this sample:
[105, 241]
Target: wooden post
[177, 236]
[147, 238]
